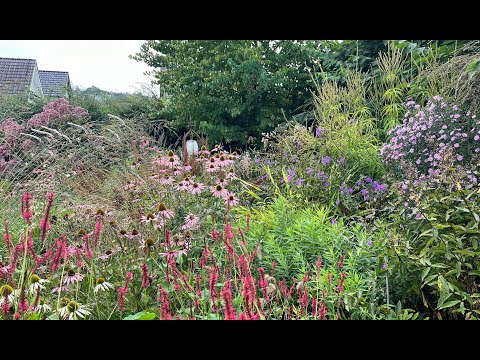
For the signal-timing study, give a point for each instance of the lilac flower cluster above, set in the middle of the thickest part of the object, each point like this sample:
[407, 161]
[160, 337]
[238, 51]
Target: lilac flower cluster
[432, 139]
[365, 189]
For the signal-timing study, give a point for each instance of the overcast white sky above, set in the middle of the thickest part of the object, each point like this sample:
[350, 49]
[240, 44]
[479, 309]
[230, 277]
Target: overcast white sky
[101, 63]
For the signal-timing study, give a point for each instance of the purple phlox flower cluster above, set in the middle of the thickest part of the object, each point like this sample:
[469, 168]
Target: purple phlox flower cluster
[326, 160]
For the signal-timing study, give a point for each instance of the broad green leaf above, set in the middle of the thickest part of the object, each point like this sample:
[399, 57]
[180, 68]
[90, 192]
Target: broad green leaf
[142, 315]
[449, 304]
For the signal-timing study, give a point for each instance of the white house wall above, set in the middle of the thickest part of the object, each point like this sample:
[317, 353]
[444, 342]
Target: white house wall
[35, 85]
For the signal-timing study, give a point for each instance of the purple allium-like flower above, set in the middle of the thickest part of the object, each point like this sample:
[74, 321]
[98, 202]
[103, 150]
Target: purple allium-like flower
[368, 180]
[459, 157]
[418, 216]
[300, 182]
[257, 160]
[384, 266]
[369, 243]
[333, 221]
[326, 160]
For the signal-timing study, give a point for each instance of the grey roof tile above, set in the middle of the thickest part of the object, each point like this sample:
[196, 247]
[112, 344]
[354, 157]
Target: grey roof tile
[16, 75]
[54, 83]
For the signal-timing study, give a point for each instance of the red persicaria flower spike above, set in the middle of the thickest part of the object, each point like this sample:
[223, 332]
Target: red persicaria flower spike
[79, 257]
[145, 281]
[88, 251]
[7, 238]
[322, 311]
[244, 242]
[44, 224]
[318, 264]
[340, 262]
[163, 299]
[248, 222]
[37, 298]
[314, 307]
[26, 211]
[199, 290]
[98, 230]
[229, 311]
[5, 307]
[274, 266]
[167, 237]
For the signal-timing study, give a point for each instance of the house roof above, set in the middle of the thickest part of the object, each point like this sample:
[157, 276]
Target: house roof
[54, 83]
[16, 75]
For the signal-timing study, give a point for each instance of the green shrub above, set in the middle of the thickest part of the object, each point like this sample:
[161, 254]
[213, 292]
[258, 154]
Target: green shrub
[434, 248]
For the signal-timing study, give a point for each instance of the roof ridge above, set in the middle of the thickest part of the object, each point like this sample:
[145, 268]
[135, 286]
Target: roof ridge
[7, 58]
[54, 71]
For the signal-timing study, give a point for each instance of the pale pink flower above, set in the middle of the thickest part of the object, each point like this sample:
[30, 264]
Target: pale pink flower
[211, 168]
[166, 180]
[231, 175]
[218, 191]
[159, 224]
[174, 253]
[72, 277]
[149, 218]
[106, 255]
[58, 289]
[222, 181]
[183, 186]
[191, 222]
[196, 188]
[231, 199]
[164, 212]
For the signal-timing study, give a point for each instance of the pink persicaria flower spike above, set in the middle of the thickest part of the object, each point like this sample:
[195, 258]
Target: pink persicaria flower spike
[26, 210]
[164, 212]
[145, 278]
[231, 199]
[218, 191]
